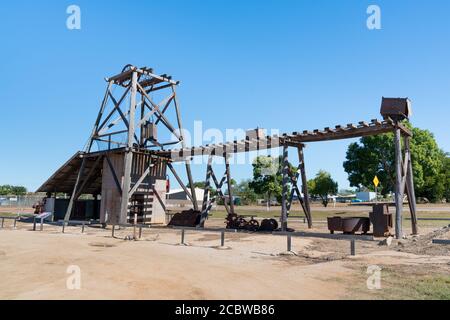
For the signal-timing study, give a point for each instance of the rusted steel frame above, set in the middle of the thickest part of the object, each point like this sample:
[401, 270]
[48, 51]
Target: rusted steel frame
[180, 182]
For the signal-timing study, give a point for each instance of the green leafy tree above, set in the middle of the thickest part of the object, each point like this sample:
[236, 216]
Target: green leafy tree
[375, 156]
[12, 190]
[323, 186]
[245, 192]
[447, 177]
[267, 177]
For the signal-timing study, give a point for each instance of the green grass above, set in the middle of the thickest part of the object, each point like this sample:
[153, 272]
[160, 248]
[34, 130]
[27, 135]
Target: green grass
[406, 283]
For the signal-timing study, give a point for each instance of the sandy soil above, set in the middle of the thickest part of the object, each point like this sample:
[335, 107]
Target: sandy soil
[34, 265]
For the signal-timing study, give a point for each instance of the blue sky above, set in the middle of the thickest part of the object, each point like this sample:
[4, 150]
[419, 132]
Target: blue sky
[292, 65]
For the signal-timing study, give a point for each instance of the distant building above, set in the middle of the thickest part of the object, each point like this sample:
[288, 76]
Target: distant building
[366, 196]
[179, 194]
[179, 198]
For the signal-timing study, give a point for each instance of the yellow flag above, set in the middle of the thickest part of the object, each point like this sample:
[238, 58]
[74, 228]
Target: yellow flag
[376, 182]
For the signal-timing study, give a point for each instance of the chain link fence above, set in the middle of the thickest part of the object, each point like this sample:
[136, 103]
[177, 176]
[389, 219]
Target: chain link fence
[15, 204]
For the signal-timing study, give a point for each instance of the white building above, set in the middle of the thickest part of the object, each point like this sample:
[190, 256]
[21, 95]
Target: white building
[366, 196]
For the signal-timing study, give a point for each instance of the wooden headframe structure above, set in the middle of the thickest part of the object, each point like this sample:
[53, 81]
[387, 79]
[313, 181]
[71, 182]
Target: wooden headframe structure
[130, 152]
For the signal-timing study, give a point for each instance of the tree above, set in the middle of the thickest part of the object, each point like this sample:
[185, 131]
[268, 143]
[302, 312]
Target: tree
[375, 156]
[267, 177]
[12, 190]
[245, 192]
[447, 177]
[323, 186]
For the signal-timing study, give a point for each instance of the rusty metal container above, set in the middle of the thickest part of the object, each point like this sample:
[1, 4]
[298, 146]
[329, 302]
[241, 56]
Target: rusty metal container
[381, 220]
[396, 108]
[349, 225]
[355, 224]
[334, 224]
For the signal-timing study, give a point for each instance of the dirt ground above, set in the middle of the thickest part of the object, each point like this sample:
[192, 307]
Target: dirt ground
[34, 265]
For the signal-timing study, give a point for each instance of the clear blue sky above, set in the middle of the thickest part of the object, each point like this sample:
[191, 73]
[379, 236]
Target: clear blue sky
[292, 65]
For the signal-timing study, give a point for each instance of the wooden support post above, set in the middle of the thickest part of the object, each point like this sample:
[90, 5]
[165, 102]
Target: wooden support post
[352, 247]
[222, 238]
[398, 184]
[410, 188]
[285, 169]
[228, 175]
[301, 158]
[206, 192]
[182, 236]
[74, 192]
[129, 153]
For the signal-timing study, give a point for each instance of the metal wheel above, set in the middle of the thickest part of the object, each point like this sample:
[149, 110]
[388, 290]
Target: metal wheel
[252, 225]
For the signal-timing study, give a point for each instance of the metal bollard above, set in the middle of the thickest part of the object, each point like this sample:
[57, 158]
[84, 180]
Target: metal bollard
[63, 226]
[352, 247]
[34, 224]
[113, 229]
[3, 222]
[182, 236]
[140, 232]
[289, 243]
[82, 228]
[15, 223]
[222, 238]
[42, 224]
